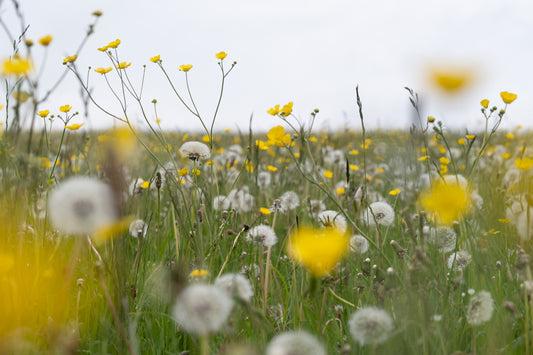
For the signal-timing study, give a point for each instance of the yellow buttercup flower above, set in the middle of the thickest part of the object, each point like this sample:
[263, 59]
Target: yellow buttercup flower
[484, 103]
[74, 126]
[145, 185]
[524, 163]
[286, 110]
[122, 65]
[449, 202]
[114, 44]
[21, 96]
[70, 59]
[508, 97]
[103, 70]
[340, 190]
[451, 79]
[394, 192]
[353, 167]
[155, 59]
[470, 136]
[103, 49]
[185, 67]
[261, 145]
[1, 107]
[277, 136]
[183, 172]
[509, 135]
[97, 13]
[318, 250]
[221, 55]
[45, 41]
[274, 110]
[271, 168]
[43, 113]
[199, 273]
[328, 174]
[264, 211]
[16, 66]
[444, 160]
[65, 108]
[461, 141]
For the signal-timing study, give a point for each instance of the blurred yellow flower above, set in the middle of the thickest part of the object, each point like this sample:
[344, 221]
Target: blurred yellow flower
[145, 184]
[114, 44]
[353, 152]
[328, 174]
[470, 136]
[451, 79]
[461, 141]
[103, 70]
[448, 201]
[199, 273]
[221, 55]
[431, 119]
[506, 155]
[28, 42]
[97, 13]
[394, 192]
[185, 67]
[74, 126]
[340, 190]
[155, 59]
[504, 220]
[261, 145]
[264, 210]
[318, 250]
[45, 41]
[444, 160]
[354, 167]
[277, 136]
[286, 110]
[205, 139]
[21, 96]
[274, 110]
[484, 103]
[112, 231]
[16, 66]
[510, 135]
[65, 108]
[70, 59]
[524, 163]
[122, 65]
[508, 97]
[103, 49]
[271, 168]
[183, 172]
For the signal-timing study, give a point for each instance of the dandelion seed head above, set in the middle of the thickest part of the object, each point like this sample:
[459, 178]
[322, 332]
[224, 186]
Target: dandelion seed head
[459, 260]
[202, 309]
[379, 213]
[138, 228]
[235, 285]
[263, 235]
[241, 200]
[444, 238]
[370, 325]
[289, 200]
[315, 207]
[81, 205]
[295, 343]
[359, 244]
[333, 219]
[263, 179]
[221, 203]
[195, 150]
[480, 308]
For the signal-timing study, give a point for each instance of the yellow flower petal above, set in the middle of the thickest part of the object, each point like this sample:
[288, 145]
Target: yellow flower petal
[74, 126]
[508, 97]
[221, 55]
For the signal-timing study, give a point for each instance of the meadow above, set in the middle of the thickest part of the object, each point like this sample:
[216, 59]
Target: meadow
[291, 241]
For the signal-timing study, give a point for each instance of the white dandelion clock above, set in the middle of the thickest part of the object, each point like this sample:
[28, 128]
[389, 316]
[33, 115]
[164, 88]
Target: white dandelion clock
[370, 325]
[263, 235]
[459, 260]
[289, 200]
[295, 343]
[379, 213]
[202, 309]
[315, 207]
[444, 238]
[333, 219]
[81, 205]
[235, 285]
[241, 200]
[195, 151]
[263, 179]
[359, 244]
[138, 228]
[221, 203]
[480, 308]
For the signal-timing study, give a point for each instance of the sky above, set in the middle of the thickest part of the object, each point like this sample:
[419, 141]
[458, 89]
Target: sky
[313, 53]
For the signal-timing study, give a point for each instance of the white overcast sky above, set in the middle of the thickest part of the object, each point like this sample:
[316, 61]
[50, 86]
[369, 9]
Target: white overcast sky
[311, 52]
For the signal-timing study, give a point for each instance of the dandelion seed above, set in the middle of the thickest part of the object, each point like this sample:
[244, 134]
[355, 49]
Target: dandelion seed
[235, 285]
[480, 308]
[263, 235]
[370, 325]
[202, 309]
[195, 151]
[334, 220]
[295, 343]
[379, 213]
[81, 205]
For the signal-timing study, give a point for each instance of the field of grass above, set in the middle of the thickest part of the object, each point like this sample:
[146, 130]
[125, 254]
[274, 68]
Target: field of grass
[295, 241]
